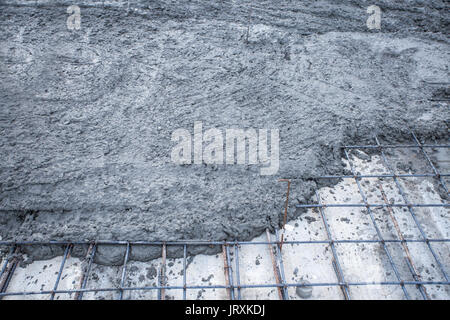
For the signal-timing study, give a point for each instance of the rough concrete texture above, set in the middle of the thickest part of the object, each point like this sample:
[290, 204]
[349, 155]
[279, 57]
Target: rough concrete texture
[87, 116]
[360, 262]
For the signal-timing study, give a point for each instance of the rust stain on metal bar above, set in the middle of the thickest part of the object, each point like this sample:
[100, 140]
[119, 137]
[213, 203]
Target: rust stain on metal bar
[83, 275]
[226, 269]
[274, 264]
[285, 209]
[404, 244]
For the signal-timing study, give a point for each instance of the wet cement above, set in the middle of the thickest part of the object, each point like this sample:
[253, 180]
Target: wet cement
[87, 116]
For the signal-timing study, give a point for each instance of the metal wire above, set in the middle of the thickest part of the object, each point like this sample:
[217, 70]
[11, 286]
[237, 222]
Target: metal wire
[231, 270]
[124, 271]
[338, 269]
[61, 268]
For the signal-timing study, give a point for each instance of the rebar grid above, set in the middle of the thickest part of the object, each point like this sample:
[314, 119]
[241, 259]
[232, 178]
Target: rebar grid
[233, 283]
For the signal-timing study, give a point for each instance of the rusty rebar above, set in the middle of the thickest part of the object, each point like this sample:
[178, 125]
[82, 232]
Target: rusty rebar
[285, 210]
[83, 275]
[226, 268]
[274, 265]
[403, 243]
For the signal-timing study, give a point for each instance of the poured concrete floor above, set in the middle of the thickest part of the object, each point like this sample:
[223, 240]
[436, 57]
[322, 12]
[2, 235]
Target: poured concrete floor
[87, 115]
[310, 262]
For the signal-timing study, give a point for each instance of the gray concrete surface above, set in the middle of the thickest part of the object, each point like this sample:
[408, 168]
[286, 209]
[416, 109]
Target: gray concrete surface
[360, 262]
[87, 116]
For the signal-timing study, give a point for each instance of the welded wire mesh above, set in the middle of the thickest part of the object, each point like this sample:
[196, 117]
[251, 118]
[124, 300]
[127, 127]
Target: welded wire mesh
[233, 283]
